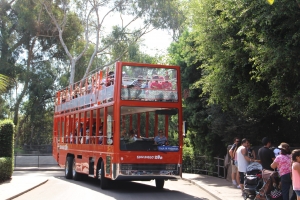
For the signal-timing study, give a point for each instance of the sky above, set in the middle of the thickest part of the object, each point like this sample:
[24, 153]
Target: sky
[156, 42]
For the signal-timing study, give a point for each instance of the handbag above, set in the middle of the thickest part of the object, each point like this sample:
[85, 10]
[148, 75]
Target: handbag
[276, 194]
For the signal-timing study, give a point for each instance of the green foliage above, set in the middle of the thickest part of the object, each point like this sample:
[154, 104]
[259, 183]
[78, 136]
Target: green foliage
[4, 81]
[6, 138]
[6, 168]
[240, 71]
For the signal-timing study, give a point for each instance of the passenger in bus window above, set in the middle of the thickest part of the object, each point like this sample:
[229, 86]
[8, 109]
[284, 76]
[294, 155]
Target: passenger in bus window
[166, 84]
[71, 138]
[132, 137]
[87, 133]
[100, 133]
[89, 87]
[63, 96]
[124, 135]
[137, 85]
[160, 139]
[109, 80]
[81, 132]
[100, 137]
[75, 137]
[155, 84]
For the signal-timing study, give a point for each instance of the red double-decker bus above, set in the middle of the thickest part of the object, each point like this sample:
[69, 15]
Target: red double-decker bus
[122, 123]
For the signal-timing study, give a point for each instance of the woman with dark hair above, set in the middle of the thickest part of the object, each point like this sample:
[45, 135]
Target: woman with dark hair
[296, 172]
[283, 163]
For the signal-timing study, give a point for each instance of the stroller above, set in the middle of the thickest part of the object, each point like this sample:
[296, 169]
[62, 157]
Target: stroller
[252, 180]
[271, 180]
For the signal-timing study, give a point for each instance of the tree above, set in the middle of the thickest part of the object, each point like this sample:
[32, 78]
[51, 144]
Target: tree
[153, 12]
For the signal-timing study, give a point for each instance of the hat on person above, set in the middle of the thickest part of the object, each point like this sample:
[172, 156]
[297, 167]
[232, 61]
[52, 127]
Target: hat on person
[284, 146]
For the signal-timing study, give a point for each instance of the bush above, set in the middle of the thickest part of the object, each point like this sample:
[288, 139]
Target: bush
[6, 168]
[6, 138]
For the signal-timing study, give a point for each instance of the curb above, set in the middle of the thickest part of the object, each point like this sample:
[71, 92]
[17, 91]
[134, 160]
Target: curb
[194, 183]
[27, 190]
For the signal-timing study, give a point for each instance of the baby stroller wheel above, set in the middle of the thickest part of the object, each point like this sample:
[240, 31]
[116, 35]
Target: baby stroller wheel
[245, 195]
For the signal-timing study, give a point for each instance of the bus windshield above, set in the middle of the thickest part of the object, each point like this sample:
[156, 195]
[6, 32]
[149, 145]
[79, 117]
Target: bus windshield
[139, 132]
[150, 84]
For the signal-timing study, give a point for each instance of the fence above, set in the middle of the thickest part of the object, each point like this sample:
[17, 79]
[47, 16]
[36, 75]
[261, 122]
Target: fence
[34, 160]
[202, 165]
[198, 165]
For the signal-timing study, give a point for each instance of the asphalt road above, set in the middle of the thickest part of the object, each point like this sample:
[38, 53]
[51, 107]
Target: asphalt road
[58, 187]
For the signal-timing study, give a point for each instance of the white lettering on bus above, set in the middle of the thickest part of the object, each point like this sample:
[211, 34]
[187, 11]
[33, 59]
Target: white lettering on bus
[158, 157]
[64, 147]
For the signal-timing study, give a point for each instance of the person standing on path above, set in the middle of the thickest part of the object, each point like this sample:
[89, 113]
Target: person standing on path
[243, 161]
[296, 172]
[283, 163]
[265, 154]
[234, 170]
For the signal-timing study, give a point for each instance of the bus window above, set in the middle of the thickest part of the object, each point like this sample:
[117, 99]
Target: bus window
[166, 121]
[149, 84]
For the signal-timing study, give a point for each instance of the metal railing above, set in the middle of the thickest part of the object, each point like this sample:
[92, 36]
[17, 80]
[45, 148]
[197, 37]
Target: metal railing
[34, 160]
[202, 165]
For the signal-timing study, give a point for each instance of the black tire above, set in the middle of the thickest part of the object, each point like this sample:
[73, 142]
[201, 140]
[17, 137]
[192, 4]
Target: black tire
[76, 176]
[159, 183]
[68, 168]
[104, 182]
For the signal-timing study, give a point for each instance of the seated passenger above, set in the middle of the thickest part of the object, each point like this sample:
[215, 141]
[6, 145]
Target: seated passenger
[132, 137]
[87, 132]
[100, 137]
[160, 139]
[166, 85]
[138, 85]
[124, 135]
[155, 84]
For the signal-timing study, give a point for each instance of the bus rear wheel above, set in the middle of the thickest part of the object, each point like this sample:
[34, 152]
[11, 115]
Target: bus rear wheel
[68, 167]
[159, 183]
[104, 182]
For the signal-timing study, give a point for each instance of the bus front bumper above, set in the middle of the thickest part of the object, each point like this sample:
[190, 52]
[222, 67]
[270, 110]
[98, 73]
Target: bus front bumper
[146, 171]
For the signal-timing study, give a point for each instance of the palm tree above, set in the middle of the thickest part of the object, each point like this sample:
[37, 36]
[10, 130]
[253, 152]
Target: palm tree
[4, 81]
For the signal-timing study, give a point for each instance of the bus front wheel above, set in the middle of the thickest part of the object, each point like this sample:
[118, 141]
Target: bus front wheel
[104, 182]
[159, 183]
[76, 175]
[68, 168]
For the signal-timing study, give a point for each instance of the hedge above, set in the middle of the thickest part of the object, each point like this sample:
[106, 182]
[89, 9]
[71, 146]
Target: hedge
[6, 168]
[6, 138]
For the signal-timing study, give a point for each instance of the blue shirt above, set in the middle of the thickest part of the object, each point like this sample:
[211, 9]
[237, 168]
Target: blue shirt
[160, 140]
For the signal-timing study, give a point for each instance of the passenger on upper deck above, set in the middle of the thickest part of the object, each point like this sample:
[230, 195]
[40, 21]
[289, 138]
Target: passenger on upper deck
[160, 139]
[166, 84]
[109, 80]
[155, 84]
[137, 84]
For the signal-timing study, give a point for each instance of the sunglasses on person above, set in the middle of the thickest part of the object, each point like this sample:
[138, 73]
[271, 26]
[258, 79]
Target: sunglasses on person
[237, 141]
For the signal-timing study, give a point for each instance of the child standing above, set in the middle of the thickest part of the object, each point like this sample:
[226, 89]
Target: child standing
[296, 172]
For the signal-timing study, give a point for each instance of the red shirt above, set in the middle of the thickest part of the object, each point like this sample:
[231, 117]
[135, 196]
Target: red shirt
[166, 85]
[156, 85]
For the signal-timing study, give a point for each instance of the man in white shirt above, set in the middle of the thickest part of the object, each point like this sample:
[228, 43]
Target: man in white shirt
[243, 161]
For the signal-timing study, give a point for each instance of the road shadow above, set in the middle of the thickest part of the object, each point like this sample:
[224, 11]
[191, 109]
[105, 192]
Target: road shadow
[132, 190]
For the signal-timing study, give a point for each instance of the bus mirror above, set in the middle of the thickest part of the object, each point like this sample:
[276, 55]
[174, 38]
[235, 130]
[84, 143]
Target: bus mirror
[184, 128]
[167, 112]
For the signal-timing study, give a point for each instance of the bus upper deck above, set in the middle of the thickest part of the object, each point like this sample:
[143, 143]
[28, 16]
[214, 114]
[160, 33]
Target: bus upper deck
[136, 83]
